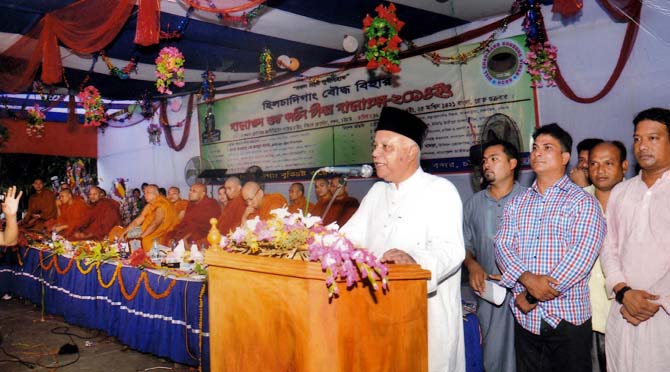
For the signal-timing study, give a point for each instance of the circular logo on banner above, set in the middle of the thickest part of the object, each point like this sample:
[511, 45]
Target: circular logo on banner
[502, 62]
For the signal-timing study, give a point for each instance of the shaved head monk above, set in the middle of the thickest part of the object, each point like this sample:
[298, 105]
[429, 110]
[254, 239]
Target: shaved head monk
[72, 215]
[344, 206]
[296, 197]
[179, 204]
[323, 196]
[232, 211]
[41, 207]
[258, 202]
[195, 224]
[103, 215]
[157, 218]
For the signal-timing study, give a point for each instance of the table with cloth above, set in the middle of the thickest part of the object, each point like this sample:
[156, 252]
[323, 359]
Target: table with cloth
[145, 309]
[163, 315]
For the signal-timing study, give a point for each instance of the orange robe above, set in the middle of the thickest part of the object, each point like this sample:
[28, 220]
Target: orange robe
[231, 215]
[320, 207]
[169, 221]
[299, 204]
[43, 204]
[270, 202]
[343, 208]
[195, 223]
[73, 215]
[102, 217]
[180, 205]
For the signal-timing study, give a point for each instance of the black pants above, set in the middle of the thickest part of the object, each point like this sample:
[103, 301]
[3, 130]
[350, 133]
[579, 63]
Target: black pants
[564, 348]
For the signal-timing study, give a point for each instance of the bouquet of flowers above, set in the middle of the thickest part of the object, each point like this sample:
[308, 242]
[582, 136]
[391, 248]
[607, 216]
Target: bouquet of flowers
[169, 69]
[94, 111]
[35, 121]
[541, 62]
[383, 40]
[295, 236]
[154, 131]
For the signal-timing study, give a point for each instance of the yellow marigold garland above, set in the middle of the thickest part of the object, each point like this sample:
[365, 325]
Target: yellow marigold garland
[111, 281]
[48, 266]
[90, 267]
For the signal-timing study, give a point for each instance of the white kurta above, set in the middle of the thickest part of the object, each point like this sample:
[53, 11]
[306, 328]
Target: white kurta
[423, 217]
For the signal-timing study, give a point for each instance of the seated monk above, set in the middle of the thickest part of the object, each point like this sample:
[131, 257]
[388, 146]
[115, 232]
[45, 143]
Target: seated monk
[323, 197]
[344, 206]
[157, 218]
[41, 207]
[233, 210]
[72, 215]
[195, 224]
[103, 215]
[179, 204]
[296, 197]
[259, 203]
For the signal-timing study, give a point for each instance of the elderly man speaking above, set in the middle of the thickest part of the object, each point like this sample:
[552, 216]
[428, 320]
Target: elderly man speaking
[415, 217]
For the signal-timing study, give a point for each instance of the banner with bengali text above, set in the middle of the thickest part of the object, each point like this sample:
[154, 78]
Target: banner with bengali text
[292, 129]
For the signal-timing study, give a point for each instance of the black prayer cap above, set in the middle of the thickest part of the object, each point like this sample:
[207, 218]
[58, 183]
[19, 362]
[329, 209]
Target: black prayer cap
[402, 122]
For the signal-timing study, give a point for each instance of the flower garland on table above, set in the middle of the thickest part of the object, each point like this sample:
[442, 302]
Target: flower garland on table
[382, 49]
[169, 69]
[294, 236]
[94, 111]
[265, 70]
[154, 131]
[541, 59]
[35, 121]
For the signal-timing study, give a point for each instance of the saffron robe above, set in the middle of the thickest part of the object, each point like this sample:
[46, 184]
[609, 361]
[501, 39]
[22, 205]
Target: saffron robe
[180, 206]
[195, 224]
[270, 202]
[102, 217]
[341, 211]
[299, 204]
[43, 204]
[73, 215]
[231, 215]
[169, 221]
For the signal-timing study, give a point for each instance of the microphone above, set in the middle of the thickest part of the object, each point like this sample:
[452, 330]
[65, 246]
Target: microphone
[364, 170]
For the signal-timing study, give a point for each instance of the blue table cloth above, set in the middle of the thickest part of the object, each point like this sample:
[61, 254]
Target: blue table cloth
[169, 324]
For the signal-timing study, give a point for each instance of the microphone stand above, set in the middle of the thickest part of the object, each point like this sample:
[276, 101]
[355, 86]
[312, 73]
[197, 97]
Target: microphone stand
[343, 182]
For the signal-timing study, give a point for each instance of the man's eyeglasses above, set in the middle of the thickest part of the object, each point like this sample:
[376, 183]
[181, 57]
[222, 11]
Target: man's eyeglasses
[248, 200]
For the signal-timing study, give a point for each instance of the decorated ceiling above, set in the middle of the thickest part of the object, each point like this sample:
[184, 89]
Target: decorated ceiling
[229, 44]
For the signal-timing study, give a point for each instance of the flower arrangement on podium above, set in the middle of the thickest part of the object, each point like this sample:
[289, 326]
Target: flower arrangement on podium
[35, 121]
[94, 111]
[169, 69]
[296, 236]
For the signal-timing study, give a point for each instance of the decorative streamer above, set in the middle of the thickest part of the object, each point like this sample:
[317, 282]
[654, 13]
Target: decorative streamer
[168, 128]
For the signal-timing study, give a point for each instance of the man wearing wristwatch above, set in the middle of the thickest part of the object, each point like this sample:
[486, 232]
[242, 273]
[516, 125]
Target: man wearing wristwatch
[636, 254]
[548, 240]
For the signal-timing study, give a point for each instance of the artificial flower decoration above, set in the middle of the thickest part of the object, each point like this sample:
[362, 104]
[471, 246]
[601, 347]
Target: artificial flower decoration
[382, 47]
[295, 236]
[154, 131]
[207, 89]
[35, 121]
[265, 70]
[541, 62]
[94, 111]
[169, 69]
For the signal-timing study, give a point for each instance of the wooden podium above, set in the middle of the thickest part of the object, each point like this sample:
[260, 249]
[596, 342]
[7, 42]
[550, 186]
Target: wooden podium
[268, 314]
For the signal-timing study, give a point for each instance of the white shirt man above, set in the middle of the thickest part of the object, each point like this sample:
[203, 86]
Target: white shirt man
[415, 217]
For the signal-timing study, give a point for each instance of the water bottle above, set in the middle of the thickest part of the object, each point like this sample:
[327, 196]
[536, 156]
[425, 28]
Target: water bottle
[155, 251]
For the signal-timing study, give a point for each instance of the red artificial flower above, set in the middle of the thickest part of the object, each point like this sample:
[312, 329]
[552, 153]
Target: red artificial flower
[372, 64]
[381, 40]
[393, 68]
[372, 42]
[367, 21]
